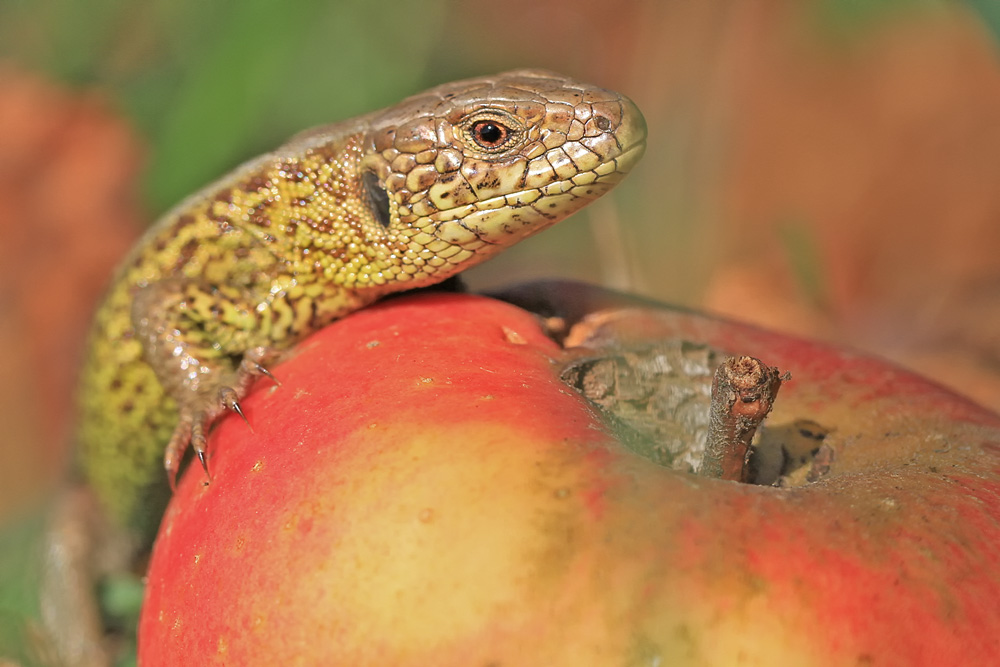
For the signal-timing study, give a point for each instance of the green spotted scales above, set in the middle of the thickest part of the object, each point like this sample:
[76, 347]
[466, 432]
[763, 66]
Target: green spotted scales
[338, 217]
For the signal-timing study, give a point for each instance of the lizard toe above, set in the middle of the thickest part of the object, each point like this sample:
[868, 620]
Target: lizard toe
[230, 400]
[253, 364]
[176, 447]
[199, 443]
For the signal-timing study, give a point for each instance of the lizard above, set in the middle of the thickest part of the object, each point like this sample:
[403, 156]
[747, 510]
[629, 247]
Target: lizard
[335, 219]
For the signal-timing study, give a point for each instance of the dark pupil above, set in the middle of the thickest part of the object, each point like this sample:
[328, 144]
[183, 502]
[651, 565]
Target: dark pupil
[490, 134]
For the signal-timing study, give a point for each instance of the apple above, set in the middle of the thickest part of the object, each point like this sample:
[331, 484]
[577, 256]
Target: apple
[424, 489]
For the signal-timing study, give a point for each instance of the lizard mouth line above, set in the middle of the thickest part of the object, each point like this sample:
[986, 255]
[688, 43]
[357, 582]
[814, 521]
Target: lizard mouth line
[615, 168]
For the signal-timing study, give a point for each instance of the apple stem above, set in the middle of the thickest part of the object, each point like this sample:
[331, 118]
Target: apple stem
[743, 393]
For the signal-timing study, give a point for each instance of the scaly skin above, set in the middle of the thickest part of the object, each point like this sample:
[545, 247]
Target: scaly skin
[338, 217]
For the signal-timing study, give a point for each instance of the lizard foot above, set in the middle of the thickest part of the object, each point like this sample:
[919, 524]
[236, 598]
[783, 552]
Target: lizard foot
[195, 421]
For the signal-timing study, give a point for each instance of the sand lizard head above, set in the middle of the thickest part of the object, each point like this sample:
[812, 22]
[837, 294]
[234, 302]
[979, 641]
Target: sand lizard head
[447, 178]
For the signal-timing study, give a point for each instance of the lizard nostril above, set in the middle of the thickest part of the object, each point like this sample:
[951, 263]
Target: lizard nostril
[603, 123]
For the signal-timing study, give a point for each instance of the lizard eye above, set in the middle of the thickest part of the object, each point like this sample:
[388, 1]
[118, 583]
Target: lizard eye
[490, 134]
[492, 131]
[378, 198]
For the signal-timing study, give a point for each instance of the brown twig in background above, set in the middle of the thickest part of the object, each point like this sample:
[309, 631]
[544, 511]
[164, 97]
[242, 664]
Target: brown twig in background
[743, 392]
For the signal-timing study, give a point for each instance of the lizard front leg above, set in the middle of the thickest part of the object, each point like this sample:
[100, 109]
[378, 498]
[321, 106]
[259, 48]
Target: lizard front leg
[204, 344]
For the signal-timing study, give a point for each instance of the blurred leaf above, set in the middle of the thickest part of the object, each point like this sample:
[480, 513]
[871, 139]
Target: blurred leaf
[64, 38]
[805, 259]
[220, 98]
[121, 598]
[268, 70]
[848, 19]
[212, 84]
[989, 13]
[21, 560]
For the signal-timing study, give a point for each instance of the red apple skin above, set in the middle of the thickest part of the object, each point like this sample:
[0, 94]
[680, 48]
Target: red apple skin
[423, 490]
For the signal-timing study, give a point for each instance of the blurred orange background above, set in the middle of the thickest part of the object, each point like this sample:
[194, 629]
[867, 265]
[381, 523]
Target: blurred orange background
[828, 168]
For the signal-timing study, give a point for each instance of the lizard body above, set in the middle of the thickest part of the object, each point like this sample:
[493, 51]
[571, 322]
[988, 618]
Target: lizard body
[335, 219]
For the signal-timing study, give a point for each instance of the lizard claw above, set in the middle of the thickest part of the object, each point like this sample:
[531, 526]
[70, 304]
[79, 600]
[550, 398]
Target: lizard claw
[253, 364]
[204, 466]
[230, 400]
[199, 443]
